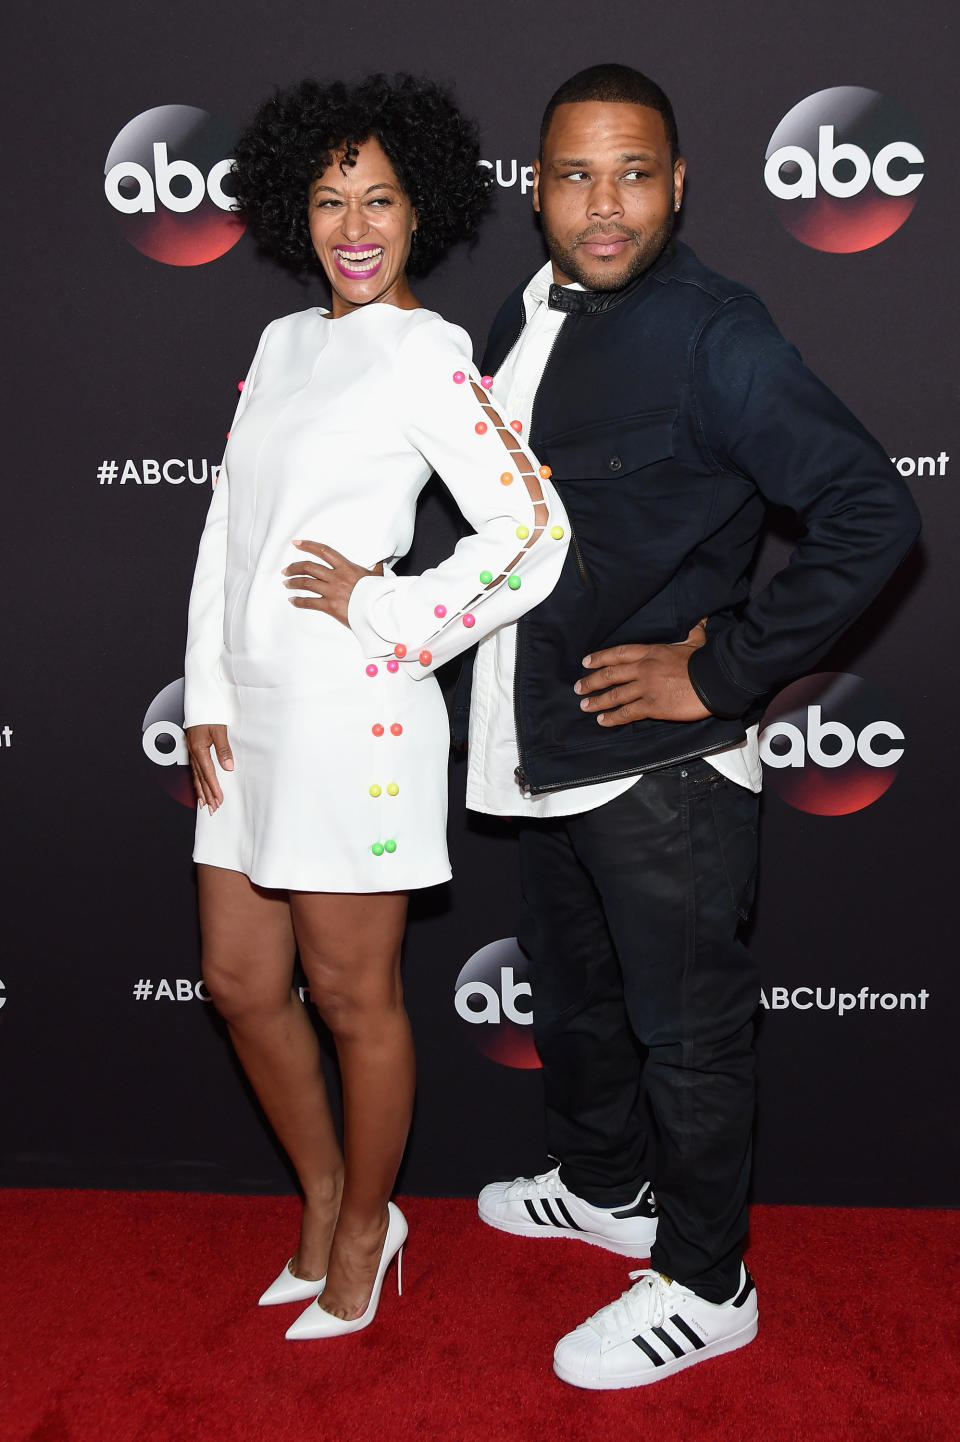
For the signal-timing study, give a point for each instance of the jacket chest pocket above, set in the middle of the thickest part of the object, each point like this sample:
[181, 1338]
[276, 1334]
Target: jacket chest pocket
[612, 450]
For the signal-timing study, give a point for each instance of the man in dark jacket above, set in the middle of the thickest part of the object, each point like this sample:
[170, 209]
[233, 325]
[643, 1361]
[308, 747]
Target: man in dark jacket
[618, 717]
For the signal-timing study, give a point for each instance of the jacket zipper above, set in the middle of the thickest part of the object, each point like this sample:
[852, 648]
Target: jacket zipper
[521, 774]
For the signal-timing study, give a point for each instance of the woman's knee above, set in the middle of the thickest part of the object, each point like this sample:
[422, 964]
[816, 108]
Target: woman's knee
[237, 991]
[352, 1001]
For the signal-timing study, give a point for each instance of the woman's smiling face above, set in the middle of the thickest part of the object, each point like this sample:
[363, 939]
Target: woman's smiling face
[361, 223]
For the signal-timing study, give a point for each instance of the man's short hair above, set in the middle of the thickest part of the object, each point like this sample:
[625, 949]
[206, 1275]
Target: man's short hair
[620, 83]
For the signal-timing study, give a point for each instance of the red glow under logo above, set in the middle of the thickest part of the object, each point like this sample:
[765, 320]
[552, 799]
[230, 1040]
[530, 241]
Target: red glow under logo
[843, 168]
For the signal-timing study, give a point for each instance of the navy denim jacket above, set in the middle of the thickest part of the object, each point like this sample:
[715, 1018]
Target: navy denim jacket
[670, 413]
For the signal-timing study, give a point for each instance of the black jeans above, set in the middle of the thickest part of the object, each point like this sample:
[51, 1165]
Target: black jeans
[635, 908]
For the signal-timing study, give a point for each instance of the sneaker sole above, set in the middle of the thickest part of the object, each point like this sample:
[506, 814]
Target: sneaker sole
[657, 1374]
[593, 1239]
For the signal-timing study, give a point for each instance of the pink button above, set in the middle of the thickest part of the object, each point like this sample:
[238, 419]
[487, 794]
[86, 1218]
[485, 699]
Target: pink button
[425, 658]
[240, 385]
[396, 729]
[400, 650]
[469, 620]
[393, 665]
[377, 729]
[459, 378]
[440, 611]
[486, 382]
[516, 426]
[371, 669]
[481, 428]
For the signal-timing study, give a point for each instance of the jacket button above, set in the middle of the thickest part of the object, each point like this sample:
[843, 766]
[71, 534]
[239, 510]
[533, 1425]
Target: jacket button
[615, 463]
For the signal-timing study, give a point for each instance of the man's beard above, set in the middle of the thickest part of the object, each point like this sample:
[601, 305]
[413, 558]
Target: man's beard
[566, 259]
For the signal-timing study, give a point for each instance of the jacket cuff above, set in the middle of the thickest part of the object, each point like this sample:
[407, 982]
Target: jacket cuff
[364, 596]
[721, 696]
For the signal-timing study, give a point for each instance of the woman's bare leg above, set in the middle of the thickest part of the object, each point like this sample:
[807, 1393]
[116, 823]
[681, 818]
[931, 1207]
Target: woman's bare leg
[350, 952]
[248, 956]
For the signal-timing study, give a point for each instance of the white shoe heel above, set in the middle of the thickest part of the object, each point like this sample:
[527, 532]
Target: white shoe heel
[400, 1273]
[290, 1288]
[315, 1322]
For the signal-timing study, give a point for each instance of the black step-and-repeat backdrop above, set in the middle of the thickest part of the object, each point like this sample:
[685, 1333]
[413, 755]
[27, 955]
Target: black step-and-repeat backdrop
[820, 145]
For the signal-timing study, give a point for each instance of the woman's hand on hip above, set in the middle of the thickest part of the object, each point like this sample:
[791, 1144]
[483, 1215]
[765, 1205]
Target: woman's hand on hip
[200, 740]
[331, 582]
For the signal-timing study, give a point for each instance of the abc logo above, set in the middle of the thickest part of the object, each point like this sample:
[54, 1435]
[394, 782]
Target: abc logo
[494, 996]
[824, 747]
[843, 167]
[165, 744]
[168, 177]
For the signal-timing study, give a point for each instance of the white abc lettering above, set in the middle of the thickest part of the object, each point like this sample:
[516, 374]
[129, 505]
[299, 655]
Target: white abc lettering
[175, 757]
[184, 989]
[829, 155]
[144, 200]
[130, 473]
[805, 185]
[491, 1010]
[168, 472]
[897, 150]
[218, 174]
[163, 991]
[510, 990]
[827, 160]
[779, 998]
[794, 756]
[817, 729]
[151, 473]
[495, 1007]
[865, 750]
[165, 171]
[796, 995]
[201, 993]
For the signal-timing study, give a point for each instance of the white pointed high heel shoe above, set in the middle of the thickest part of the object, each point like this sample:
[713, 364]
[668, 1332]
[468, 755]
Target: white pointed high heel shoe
[315, 1322]
[289, 1288]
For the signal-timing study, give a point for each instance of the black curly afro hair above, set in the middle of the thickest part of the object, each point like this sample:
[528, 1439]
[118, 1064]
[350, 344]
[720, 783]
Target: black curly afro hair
[433, 148]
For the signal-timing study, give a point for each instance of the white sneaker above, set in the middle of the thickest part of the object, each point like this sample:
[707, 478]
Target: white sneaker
[543, 1207]
[656, 1328]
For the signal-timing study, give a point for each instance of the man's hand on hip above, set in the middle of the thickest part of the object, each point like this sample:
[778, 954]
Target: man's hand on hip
[632, 683]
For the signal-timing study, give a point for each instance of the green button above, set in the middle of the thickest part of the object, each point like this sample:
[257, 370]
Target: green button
[486, 577]
[513, 582]
[389, 846]
[377, 848]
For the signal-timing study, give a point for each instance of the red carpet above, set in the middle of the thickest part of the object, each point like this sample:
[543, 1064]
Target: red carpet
[129, 1317]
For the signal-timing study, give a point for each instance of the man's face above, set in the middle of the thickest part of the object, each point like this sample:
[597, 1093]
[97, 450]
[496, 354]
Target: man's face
[607, 191]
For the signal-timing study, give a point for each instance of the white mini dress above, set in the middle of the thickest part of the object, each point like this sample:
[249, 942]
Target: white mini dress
[339, 734]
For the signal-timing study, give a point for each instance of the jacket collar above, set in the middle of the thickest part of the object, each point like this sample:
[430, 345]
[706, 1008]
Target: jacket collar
[598, 302]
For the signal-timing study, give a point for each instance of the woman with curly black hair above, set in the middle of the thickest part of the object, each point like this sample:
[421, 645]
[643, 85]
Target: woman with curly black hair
[316, 731]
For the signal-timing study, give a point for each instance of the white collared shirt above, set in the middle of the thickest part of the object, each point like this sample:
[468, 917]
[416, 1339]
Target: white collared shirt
[494, 756]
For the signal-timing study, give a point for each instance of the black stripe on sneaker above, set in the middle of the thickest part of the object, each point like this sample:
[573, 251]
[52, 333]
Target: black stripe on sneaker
[562, 1208]
[651, 1352]
[551, 1215]
[671, 1342]
[688, 1332]
[534, 1214]
[748, 1286]
[643, 1206]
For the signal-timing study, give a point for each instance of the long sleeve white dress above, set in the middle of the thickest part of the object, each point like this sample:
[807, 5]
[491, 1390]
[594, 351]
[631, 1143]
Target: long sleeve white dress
[339, 734]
